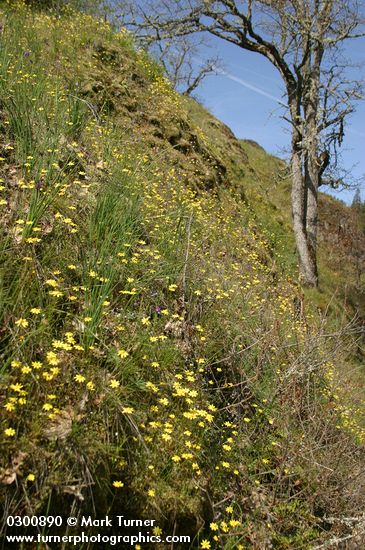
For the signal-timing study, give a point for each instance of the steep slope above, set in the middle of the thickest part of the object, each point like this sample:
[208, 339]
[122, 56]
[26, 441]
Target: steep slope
[159, 359]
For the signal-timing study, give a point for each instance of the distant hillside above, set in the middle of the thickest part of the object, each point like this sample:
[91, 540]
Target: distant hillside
[159, 359]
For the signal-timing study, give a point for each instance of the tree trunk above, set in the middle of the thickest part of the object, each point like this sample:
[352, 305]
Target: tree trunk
[311, 186]
[311, 171]
[307, 261]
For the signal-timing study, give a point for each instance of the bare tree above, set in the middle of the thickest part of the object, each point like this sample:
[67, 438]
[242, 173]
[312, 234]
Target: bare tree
[303, 39]
[179, 55]
[182, 61]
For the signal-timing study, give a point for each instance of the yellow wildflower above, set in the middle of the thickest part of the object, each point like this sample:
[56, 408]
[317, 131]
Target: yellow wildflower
[118, 484]
[52, 282]
[16, 387]
[22, 323]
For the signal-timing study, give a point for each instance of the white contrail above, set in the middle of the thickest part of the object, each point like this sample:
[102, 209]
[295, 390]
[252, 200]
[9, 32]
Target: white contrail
[355, 132]
[266, 94]
[251, 87]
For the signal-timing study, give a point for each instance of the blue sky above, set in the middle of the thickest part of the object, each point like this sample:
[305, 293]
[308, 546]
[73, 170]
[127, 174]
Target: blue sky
[247, 101]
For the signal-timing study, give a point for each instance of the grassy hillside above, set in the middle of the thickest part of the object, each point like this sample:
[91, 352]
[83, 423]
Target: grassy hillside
[158, 357]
